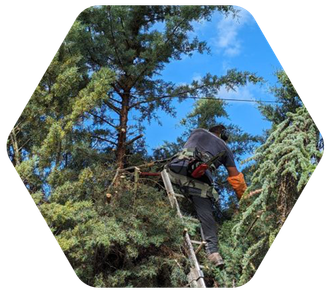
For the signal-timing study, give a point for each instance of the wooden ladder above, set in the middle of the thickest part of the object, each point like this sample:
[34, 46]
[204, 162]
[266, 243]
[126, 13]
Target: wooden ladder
[195, 276]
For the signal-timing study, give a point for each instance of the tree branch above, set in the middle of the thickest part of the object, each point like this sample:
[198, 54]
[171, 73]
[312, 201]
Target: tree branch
[113, 39]
[173, 31]
[112, 99]
[147, 63]
[112, 107]
[24, 144]
[133, 139]
[104, 139]
[164, 97]
[103, 120]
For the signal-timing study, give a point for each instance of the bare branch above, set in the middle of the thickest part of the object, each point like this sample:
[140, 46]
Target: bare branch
[112, 107]
[133, 139]
[114, 100]
[103, 139]
[164, 97]
[103, 120]
[24, 144]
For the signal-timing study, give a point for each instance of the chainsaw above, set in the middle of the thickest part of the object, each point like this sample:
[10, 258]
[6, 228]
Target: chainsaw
[198, 167]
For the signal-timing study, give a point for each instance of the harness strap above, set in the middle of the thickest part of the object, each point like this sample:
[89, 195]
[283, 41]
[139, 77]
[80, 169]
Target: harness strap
[185, 154]
[206, 190]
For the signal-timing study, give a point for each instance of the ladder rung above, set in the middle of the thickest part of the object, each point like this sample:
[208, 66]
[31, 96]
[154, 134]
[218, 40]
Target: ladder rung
[199, 248]
[191, 219]
[179, 195]
[196, 242]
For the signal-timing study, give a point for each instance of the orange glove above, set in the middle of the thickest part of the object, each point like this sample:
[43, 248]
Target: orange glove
[238, 184]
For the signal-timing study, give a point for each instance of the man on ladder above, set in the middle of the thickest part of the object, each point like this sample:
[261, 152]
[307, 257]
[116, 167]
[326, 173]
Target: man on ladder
[191, 171]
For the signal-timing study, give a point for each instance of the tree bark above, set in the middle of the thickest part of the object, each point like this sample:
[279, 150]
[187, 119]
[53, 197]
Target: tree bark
[122, 134]
[17, 155]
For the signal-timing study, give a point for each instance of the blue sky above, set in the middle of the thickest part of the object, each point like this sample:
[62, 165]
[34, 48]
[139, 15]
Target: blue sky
[235, 43]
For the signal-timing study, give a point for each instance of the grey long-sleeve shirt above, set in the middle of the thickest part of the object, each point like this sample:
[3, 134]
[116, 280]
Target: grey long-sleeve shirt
[206, 141]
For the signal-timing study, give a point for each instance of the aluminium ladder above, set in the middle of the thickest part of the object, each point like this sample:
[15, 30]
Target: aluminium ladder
[195, 276]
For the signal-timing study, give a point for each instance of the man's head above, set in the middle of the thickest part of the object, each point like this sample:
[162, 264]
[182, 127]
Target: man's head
[221, 131]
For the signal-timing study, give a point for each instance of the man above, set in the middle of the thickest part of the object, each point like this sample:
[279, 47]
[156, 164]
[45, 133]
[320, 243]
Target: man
[206, 146]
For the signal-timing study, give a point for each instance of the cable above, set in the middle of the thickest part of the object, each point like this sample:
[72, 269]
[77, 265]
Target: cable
[233, 100]
[206, 98]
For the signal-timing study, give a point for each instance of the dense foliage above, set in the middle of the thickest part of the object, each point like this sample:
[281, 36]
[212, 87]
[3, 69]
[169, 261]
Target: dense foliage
[284, 162]
[76, 131]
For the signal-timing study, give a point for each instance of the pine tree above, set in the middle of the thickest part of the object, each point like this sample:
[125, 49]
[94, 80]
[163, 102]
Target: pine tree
[76, 130]
[50, 135]
[66, 142]
[137, 42]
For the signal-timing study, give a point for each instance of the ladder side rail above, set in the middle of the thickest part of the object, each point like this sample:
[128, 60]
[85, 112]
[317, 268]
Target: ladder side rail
[168, 186]
[194, 261]
[196, 270]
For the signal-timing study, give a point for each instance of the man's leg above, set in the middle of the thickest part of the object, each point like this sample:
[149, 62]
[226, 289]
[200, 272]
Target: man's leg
[203, 207]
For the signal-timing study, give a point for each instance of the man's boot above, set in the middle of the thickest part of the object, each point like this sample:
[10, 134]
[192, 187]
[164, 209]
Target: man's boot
[216, 259]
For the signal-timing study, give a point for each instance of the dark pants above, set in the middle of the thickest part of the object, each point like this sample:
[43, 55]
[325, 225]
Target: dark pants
[203, 207]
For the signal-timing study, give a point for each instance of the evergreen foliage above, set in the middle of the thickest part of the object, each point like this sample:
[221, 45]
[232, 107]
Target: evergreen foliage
[136, 42]
[76, 131]
[286, 96]
[284, 164]
[133, 241]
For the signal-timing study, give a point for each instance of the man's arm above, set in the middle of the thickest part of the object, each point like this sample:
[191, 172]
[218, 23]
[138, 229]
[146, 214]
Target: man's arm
[236, 180]
[232, 171]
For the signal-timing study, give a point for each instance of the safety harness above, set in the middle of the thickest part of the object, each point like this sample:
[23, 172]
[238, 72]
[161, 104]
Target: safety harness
[187, 171]
[201, 163]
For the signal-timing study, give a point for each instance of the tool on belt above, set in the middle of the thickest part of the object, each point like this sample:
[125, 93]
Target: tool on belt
[199, 165]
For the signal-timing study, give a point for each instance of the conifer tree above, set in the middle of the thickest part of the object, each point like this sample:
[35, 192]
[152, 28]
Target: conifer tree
[286, 97]
[137, 42]
[280, 168]
[63, 144]
[285, 163]
[124, 242]
[78, 128]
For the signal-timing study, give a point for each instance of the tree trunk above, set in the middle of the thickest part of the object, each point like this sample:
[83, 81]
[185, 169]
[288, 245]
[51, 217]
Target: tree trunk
[121, 147]
[287, 198]
[17, 155]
